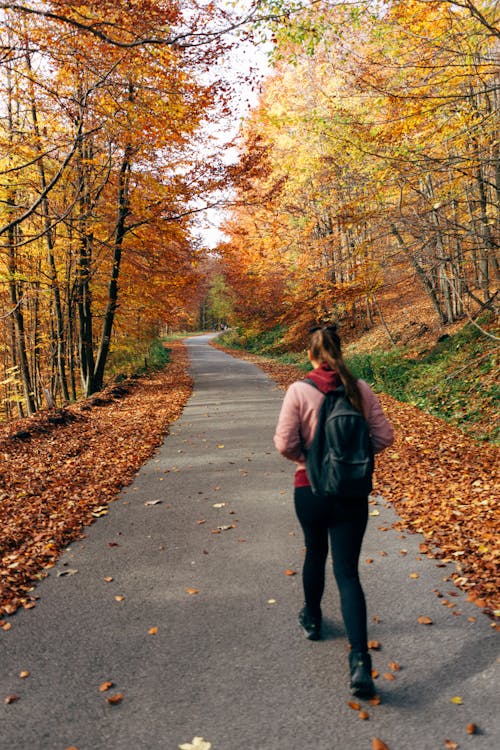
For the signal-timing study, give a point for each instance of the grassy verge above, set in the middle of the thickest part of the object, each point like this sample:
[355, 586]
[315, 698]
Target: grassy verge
[131, 357]
[456, 379]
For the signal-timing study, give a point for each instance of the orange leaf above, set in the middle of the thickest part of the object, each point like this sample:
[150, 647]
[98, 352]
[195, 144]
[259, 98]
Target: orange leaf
[355, 706]
[24, 674]
[152, 631]
[375, 701]
[108, 579]
[378, 744]
[471, 728]
[290, 572]
[192, 591]
[113, 700]
[394, 666]
[424, 620]
[105, 686]
[364, 715]
[374, 645]
[450, 745]
[388, 676]
[11, 699]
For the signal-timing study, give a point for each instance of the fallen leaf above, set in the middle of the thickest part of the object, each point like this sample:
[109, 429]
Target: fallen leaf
[11, 699]
[471, 728]
[450, 745]
[113, 544]
[113, 700]
[374, 645]
[98, 512]
[394, 666]
[375, 701]
[219, 505]
[378, 744]
[67, 572]
[153, 502]
[24, 674]
[201, 521]
[414, 575]
[197, 743]
[271, 601]
[364, 715]
[192, 591]
[354, 705]
[119, 598]
[424, 620]
[7, 626]
[290, 572]
[152, 631]
[220, 445]
[108, 579]
[457, 700]
[105, 686]
[368, 560]
[388, 676]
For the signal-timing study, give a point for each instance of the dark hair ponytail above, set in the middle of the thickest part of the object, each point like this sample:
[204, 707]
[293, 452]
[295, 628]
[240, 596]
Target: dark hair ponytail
[325, 347]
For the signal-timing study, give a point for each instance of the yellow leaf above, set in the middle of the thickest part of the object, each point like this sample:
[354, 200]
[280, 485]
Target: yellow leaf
[457, 700]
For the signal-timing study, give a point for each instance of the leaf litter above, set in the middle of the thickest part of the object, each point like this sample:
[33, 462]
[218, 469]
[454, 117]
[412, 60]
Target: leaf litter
[61, 480]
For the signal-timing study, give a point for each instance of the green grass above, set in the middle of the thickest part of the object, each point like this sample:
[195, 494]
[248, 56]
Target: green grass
[131, 357]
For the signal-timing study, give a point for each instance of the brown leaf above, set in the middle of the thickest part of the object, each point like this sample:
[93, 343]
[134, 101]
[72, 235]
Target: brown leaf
[24, 674]
[290, 572]
[424, 620]
[354, 705]
[374, 645]
[364, 715]
[375, 701]
[108, 579]
[106, 686]
[378, 744]
[388, 676]
[11, 699]
[113, 700]
[192, 591]
[450, 745]
[471, 728]
[394, 666]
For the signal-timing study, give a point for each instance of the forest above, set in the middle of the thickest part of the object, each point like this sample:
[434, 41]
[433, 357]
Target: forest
[368, 168]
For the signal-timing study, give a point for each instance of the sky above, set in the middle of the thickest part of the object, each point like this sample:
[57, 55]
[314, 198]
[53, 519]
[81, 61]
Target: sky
[246, 60]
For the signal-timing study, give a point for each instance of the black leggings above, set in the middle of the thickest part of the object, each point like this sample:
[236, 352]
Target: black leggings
[344, 522]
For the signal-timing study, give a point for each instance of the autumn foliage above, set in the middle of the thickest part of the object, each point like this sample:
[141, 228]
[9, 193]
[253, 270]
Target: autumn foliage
[371, 157]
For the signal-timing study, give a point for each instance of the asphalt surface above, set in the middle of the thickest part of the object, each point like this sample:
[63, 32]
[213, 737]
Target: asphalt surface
[230, 663]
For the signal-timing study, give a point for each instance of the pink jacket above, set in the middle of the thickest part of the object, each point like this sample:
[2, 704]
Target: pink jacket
[299, 415]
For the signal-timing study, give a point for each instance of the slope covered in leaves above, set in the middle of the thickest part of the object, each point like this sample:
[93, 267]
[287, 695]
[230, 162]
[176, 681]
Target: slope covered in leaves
[60, 469]
[442, 484]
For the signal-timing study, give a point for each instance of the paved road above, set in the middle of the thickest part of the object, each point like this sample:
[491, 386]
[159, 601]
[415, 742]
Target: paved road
[229, 663]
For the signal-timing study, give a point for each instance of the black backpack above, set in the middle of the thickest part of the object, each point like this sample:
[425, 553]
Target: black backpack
[340, 459]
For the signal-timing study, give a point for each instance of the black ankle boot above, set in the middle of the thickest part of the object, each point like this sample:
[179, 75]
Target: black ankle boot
[361, 674]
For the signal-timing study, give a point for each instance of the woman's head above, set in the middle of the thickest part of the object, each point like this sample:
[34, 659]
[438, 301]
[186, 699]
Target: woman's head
[325, 348]
[324, 345]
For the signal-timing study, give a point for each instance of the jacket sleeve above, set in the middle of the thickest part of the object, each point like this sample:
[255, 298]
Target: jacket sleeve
[287, 438]
[381, 431]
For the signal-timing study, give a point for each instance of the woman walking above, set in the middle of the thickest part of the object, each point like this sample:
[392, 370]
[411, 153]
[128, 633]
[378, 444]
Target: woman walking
[334, 519]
